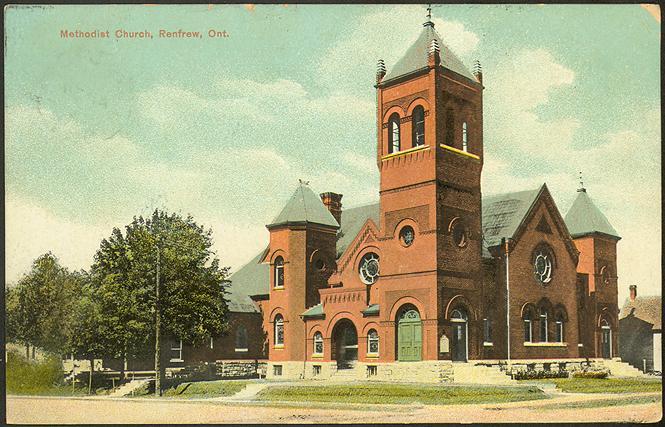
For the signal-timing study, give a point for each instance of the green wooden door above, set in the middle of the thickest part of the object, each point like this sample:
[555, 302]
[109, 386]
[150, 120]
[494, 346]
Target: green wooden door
[409, 337]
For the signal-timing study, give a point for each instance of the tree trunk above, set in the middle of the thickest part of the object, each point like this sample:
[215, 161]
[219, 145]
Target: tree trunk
[27, 351]
[33, 352]
[92, 369]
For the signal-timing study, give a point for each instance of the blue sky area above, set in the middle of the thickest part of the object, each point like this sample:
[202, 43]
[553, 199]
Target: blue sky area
[99, 130]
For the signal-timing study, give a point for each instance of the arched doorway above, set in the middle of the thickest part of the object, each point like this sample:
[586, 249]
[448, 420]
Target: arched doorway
[460, 339]
[605, 339]
[345, 344]
[409, 335]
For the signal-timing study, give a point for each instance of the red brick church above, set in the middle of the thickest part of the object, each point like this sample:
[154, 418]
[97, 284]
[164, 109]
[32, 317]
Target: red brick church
[421, 275]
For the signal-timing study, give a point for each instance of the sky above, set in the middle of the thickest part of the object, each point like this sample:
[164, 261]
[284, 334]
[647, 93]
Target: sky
[98, 130]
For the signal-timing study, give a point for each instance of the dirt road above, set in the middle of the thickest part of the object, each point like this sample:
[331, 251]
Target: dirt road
[35, 410]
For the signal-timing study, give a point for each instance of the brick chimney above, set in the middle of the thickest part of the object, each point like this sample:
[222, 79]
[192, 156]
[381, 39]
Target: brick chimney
[633, 292]
[333, 202]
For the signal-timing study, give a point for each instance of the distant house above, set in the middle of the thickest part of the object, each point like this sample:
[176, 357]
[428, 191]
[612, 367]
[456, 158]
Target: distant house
[640, 332]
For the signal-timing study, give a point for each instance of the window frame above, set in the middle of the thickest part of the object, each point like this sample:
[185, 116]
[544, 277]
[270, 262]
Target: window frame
[317, 339]
[465, 137]
[279, 273]
[528, 328]
[241, 332]
[277, 328]
[373, 339]
[179, 350]
[418, 126]
[487, 330]
[543, 317]
[394, 129]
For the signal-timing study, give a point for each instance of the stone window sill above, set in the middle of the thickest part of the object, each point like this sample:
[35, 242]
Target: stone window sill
[317, 356]
[463, 153]
[176, 360]
[278, 346]
[404, 152]
[242, 350]
[545, 344]
[278, 288]
[372, 355]
[580, 345]
[488, 344]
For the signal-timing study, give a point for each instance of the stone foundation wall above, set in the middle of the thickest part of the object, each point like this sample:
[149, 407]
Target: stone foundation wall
[240, 368]
[421, 372]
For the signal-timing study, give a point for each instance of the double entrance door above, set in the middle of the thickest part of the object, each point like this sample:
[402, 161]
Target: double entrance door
[409, 337]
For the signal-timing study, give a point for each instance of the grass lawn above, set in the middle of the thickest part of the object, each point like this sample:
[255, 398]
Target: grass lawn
[606, 385]
[603, 403]
[202, 389]
[401, 393]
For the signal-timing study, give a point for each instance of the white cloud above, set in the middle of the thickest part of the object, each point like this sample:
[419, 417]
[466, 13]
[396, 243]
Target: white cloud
[376, 37]
[32, 231]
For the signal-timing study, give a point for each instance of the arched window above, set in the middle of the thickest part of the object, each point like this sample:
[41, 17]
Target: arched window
[465, 138]
[372, 342]
[528, 335]
[318, 343]
[543, 325]
[559, 329]
[241, 338]
[279, 272]
[418, 126]
[450, 128]
[279, 330]
[393, 134]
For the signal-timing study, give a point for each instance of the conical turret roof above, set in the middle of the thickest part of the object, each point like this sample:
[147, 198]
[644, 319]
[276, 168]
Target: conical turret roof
[305, 206]
[415, 57]
[584, 218]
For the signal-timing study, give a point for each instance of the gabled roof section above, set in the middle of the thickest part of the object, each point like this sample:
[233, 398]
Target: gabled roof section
[647, 308]
[352, 222]
[415, 57]
[251, 279]
[585, 218]
[503, 214]
[304, 207]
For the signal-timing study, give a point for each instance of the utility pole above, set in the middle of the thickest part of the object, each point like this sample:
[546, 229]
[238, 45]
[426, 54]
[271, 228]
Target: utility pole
[505, 241]
[158, 370]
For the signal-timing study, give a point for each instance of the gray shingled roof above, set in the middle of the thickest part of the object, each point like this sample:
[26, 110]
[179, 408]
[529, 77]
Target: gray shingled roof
[415, 57]
[647, 308]
[305, 206]
[503, 213]
[352, 221]
[250, 279]
[585, 218]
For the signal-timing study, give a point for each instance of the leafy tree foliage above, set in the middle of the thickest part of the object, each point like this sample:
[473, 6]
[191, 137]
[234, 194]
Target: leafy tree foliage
[192, 284]
[39, 307]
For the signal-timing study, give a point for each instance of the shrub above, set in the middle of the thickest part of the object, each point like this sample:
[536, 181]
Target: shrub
[32, 377]
[539, 375]
[590, 374]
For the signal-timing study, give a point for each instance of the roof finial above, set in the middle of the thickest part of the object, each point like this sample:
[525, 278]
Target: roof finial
[303, 182]
[429, 22]
[581, 189]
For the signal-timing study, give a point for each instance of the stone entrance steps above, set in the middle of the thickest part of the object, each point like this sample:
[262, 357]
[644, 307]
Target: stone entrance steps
[130, 387]
[618, 368]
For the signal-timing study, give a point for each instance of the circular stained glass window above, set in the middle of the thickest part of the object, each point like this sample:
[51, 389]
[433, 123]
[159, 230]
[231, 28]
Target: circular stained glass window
[407, 235]
[369, 268]
[543, 265]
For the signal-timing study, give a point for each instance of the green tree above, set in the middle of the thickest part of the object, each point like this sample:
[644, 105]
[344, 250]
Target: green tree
[192, 285]
[40, 305]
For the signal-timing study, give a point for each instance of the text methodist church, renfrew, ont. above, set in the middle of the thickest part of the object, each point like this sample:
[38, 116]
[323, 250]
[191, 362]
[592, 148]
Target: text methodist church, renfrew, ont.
[420, 276]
